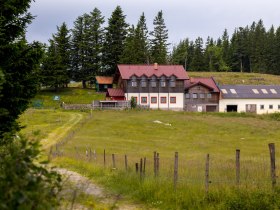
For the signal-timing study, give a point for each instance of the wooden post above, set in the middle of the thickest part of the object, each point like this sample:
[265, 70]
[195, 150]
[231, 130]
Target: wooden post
[90, 154]
[125, 162]
[207, 174]
[175, 170]
[155, 163]
[136, 167]
[104, 157]
[141, 168]
[113, 161]
[237, 167]
[272, 163]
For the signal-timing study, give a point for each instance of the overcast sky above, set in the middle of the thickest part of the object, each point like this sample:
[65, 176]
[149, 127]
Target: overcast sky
[183, 18]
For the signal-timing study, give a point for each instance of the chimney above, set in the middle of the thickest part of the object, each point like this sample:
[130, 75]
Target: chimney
[155, 66]
[191, 80]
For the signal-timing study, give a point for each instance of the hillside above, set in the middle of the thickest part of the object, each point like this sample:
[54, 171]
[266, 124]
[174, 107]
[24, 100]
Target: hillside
[235, 78]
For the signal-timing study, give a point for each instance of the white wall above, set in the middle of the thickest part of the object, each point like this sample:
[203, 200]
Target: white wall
[241, 105]
[179, 105]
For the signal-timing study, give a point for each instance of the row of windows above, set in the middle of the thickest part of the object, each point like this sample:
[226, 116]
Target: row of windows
[153, 83]
[163, 100]
[198, 95]
[269, 106]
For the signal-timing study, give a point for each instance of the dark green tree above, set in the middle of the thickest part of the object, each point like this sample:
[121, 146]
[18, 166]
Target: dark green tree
[198, 60]
[53, 70]
[180, 53]
[158, 40]
[23, 184]
[115, 35]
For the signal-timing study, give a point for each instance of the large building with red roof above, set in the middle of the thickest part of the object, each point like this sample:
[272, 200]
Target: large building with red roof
[153, 86]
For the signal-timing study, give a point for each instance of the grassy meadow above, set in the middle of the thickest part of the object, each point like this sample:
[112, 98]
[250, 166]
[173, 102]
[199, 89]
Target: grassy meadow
[193, 135]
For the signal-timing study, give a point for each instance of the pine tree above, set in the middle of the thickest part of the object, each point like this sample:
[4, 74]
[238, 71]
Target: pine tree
[180, 53]
[136, 49]
[115, 35]
[86, 47]
[197, 63]
[159, 40]
[54, 71]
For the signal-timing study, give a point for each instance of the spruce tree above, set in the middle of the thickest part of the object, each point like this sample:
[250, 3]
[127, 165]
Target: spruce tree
[158, 40]
[198, 63]
[115, 35]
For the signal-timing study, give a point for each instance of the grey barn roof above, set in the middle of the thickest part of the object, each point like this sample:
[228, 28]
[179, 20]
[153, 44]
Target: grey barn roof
[250, 91]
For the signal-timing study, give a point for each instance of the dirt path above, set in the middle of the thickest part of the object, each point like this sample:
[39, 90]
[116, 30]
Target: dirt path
[61, 131]
[80, 184]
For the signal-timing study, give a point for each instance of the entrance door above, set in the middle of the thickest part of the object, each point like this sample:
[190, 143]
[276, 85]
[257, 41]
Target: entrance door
[211, 108]
[231, 108]
[252, 108]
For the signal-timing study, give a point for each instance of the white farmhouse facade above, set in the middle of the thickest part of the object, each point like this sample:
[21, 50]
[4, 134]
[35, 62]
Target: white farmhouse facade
[259, 99]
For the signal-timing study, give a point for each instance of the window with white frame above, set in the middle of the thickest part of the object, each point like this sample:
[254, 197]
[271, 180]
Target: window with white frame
[143, 82]
[194, 95]
[163, 82]
[201, 95]
[133, 81]
[153, 82]
[172, 81]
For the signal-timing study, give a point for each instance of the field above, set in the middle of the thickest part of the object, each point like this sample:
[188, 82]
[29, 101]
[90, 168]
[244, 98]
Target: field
[138, 134]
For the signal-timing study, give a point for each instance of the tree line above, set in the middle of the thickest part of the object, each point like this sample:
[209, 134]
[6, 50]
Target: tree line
[249, 49]
[90, 48]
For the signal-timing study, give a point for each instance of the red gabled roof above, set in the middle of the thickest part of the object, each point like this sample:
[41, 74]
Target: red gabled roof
[113, 92]
[104, 80]
[126, 71]
[206, 81]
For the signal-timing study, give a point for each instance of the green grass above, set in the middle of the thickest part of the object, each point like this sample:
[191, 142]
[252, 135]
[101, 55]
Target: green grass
[193, 135]
[71, 95]
[235, 78]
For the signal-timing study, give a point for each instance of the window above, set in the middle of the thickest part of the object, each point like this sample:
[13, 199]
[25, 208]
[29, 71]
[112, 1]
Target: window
[278, 106]
[264, 91]
[153, 83]
[232, 91]
[273, 91]
[163, 100]
[172, 82]
[201, 95]
[262, 106]
[153, 100]
[187, 95]
[133, 83]
[143, 100]
[194, 95]
[255, 91]
[162, 83]
[270, 106]
[224, 91]
[173, 100]
[143, 82]
[209, 95]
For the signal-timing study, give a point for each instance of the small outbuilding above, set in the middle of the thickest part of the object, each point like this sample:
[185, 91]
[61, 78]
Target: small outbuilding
[116, 94]
[103, 83]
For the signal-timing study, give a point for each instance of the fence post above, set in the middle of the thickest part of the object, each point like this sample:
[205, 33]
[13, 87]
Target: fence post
[272, 163]
[237, 163]
[155, 163]
[175, 170]
[113, 160]
[141, 168]
[207, 174]
[125, 162]
[90, 154]
[104, 158]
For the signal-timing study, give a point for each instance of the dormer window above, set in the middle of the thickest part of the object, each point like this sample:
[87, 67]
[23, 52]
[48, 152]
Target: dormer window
[162, 82]
[153, 82]
[172, 81]
[133, 81]
[143, 82]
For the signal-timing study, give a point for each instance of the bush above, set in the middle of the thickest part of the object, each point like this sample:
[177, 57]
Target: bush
[23, 183]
